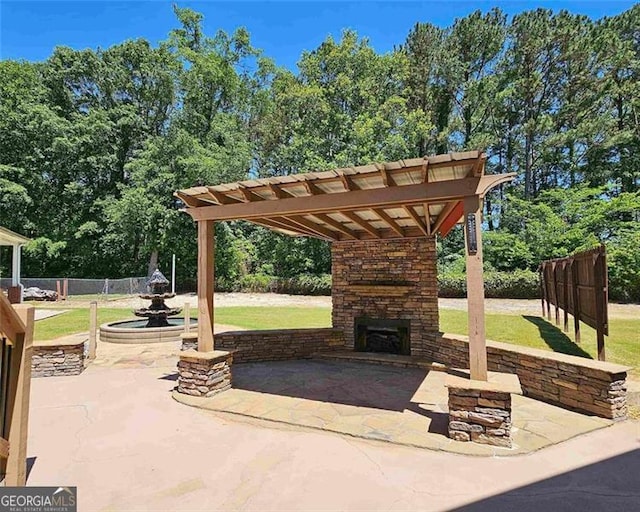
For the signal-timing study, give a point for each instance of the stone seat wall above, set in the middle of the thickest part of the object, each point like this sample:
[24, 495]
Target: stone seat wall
[58, 357]
[576, 383]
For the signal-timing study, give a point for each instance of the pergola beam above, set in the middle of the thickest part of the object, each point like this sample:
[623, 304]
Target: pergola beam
[283, 225]
[279, 192]
[356, 219]
[387, 197]
[312, 226]
[416, 218]
[444, 213]
[389, 221]
[425, 170]
[249, 195]
[387, 178]
[337, 225]
[220, 197]
[312, 188]
[190, 201]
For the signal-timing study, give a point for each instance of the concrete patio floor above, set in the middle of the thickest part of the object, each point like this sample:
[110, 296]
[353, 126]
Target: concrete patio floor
[115, 433]
[397, 405]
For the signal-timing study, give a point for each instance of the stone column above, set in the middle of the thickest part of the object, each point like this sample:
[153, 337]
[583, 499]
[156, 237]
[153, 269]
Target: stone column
[480, 411]
[204, 374]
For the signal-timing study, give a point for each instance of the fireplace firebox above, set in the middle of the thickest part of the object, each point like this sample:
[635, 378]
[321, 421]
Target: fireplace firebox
[382, 335]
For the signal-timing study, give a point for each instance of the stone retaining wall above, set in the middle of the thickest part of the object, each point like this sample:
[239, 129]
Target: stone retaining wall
[57, 360]
[278, 345]
[575, 383]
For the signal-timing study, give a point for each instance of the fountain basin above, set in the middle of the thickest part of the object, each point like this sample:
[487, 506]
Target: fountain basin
[135, 331]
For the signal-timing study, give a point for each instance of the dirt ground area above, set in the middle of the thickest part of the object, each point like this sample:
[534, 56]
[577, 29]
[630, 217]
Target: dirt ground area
[508, 306]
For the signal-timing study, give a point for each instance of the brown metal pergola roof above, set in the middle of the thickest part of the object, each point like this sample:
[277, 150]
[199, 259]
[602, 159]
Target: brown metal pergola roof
[404, 199]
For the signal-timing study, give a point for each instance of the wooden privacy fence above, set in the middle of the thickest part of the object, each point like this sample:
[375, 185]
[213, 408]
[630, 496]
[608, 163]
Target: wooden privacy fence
[579, 286]
[16, 346]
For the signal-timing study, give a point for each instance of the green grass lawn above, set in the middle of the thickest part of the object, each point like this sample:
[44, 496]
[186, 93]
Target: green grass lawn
[76, 320]
[622, 344]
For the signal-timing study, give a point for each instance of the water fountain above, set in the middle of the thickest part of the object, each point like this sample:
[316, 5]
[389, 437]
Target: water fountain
[160, 325]
[158, 312]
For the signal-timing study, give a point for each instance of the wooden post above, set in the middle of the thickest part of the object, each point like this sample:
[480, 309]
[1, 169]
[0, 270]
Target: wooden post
[58, 290]
[542, 286]
[93, 326]
[187, 317]
[205, 285]
[16, 472]
[598, 287]
[576, 300]
[565, 295]
[548, 291]
[475, 287]
[555, 293]
[65, 288]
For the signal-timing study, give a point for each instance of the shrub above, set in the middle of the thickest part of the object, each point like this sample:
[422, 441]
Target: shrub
[516, 284]
[306, 284]
[623, 260]
[256, 283]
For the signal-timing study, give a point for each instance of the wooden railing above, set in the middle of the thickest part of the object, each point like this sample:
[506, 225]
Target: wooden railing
[16, 346]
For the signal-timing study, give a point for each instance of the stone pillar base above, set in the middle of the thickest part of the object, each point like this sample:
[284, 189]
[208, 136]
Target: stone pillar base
[480, 411]
[189, 340]
[204, 374]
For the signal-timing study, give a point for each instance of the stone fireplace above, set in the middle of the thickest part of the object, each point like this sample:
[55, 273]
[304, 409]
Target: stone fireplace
[385, 296]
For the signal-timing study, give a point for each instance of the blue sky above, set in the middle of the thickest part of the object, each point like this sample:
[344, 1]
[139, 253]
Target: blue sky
[30, 30]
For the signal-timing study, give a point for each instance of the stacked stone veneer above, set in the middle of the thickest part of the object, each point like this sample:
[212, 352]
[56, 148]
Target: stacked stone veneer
[278, 345]
[189, 341]
[480, 416]
[584, 385]
[57, 360]
[204, 374]
[374, 266]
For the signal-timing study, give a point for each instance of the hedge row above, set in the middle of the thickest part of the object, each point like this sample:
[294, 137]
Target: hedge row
[299, 285]
[519, 284]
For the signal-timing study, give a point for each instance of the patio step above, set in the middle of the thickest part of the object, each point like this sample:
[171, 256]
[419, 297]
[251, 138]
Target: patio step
[381, 359]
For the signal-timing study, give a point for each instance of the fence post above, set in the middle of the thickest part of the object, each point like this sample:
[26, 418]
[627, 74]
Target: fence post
[541, 280]
[599, 285]
[93, 325]
[187, 317]
[565, 295]
[65, 288]
[58, 290]
[555, 292]
[576, 300]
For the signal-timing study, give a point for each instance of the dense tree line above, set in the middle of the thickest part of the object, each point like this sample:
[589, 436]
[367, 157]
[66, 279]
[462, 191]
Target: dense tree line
[94, 142]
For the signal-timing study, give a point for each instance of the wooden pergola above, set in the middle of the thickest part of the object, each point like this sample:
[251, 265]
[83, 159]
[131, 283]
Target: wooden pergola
[418, 197]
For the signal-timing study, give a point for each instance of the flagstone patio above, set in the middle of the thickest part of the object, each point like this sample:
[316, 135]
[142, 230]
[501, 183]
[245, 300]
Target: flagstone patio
[399, 405]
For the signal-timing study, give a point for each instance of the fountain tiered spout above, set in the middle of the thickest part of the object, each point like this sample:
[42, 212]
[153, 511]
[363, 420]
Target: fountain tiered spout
[158, 311]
